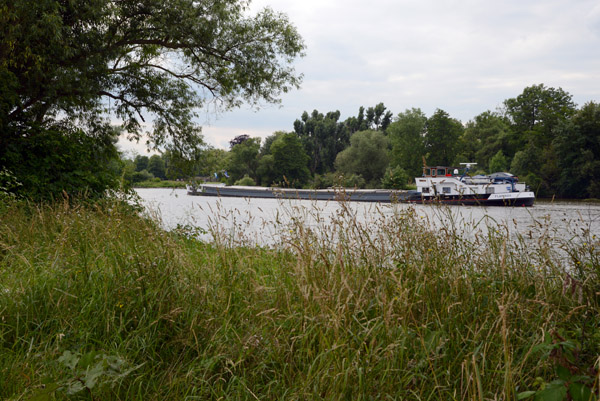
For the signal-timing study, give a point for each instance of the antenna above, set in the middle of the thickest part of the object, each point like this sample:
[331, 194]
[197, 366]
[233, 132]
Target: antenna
[468, 165]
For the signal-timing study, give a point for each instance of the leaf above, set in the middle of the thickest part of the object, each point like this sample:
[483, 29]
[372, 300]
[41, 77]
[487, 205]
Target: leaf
[69, 359]
[44, 394]
[525, 394]
[74, 387]
[563, 373]
[553, 392]
[580, 392]
[92, 375]
[87, 359]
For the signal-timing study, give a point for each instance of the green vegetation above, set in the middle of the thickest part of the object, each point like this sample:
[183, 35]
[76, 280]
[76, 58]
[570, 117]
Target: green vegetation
[98, 303]
[70, 69]
[158, 183]
[540, 135]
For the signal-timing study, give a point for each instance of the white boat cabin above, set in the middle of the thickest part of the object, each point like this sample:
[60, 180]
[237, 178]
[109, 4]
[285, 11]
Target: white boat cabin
[448, 182]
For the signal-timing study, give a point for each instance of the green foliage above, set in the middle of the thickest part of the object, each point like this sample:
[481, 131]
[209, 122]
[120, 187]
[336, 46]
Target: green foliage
[442, 139]
[323, 137]
[140, 176]
[9, 184]
[535, 113]
[322, 181]
[577, 145]
[52, 163]
[82, 52]
[266, 170]
[406, 136]
[367, 156]
[394, 309]
[85, 374]
[572, 380]
[72, 68]
[156, 167]
[395, 178]
[289, 161]
[243, 160]
[498, 163]
[245, 181]
[536, 117]
[141, 163]
[484, 137]
[351, 181]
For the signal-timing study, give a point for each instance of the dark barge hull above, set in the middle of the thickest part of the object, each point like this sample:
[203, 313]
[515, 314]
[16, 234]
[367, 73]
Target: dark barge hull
[357, 195]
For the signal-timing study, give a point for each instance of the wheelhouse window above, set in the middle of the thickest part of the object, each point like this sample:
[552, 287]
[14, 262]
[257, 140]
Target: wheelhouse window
[441, 171]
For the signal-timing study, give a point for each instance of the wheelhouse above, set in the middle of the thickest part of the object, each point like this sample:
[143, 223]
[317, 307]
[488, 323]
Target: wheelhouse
[439, 171]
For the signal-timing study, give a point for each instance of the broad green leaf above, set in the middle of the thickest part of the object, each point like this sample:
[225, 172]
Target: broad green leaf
[553, 392]
[525, 394]
[563, 373]
[44, 394]
[69, 359]
[91, 375]
[87, 359]
[580, 392]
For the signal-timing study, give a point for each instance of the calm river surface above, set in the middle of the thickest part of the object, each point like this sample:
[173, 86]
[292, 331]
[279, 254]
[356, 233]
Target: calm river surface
[262, 221]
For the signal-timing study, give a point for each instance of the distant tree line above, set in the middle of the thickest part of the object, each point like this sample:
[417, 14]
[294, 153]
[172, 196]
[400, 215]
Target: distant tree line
[540, 136]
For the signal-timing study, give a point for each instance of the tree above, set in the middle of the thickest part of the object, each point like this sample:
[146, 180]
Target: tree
[535, 116]
[49, 164]
[290, 160]
[535, 112]
[498, 163]
[156, 167]
[64, 64]
[367, 155]
[577, 144]
[442, 138]
[484, 137]
[323, 137]
[243, 160]
[407, 138]
[141, 162]
[266, 164]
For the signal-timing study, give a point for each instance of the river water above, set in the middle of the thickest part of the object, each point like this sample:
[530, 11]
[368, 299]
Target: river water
[264, 221]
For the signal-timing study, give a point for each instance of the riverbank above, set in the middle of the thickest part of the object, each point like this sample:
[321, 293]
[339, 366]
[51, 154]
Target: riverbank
[103, 303]
[160, 184]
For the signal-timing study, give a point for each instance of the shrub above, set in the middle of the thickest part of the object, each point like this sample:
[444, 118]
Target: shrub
[246, 181]
[395, 178]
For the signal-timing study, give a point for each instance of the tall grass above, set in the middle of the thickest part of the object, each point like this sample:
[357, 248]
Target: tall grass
[343, 309]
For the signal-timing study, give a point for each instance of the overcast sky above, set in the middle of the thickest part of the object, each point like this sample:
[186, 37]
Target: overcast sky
[462, 56]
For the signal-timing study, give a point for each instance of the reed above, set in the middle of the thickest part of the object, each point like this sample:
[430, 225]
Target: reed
[99, 303]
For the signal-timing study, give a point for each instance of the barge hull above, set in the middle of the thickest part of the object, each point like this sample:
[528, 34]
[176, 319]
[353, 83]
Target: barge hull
[361, 195]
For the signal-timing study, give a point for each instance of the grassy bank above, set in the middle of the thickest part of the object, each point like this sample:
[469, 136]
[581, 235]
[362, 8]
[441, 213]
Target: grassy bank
[102, 304]
[160, 184]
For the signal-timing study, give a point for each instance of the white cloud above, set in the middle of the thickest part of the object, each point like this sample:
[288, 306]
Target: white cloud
[464, 56]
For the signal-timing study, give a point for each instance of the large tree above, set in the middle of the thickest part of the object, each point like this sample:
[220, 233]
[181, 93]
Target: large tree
[535, 113]
[535, 116]
[577, 145]
[84, 64]
[407, 138]
[243, 160]
[442, 138]
[290, 160]
[484, 137]
[323, 137]
[367, 155]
